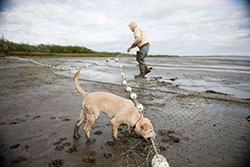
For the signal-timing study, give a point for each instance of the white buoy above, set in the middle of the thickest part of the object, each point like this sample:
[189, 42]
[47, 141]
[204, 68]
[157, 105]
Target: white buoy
[116, 59]
[159, 161]
[128, 89]
[140, 107]
[122, 74]
[121, 66]
[124, 82]
[133, 96]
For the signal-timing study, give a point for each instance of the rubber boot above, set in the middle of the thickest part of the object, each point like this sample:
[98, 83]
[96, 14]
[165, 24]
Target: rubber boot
[142, 71]
[148, 70]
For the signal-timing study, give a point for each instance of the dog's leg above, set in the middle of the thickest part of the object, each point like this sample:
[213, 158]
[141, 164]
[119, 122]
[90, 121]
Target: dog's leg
[78, 124]
[91, 117]
[127, 127]
[87, 128]
[115, 126]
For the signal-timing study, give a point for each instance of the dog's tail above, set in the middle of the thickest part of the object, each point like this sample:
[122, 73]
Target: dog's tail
[77, 85]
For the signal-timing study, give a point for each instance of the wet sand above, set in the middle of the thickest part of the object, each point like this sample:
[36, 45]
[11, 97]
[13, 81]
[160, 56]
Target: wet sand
[39, 107]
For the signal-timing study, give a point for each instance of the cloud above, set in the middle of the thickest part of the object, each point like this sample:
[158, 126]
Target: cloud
[174, 27]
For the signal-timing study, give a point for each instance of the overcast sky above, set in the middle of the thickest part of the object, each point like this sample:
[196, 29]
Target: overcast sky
[177, 27]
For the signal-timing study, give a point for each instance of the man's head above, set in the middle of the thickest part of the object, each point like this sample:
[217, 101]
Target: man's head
[145, 128]
[132, 26]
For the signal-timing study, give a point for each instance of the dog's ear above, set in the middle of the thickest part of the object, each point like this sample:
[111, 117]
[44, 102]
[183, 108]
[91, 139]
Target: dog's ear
[145, 126]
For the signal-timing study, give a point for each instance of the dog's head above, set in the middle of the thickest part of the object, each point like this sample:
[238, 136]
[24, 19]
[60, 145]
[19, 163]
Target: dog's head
[145, 128]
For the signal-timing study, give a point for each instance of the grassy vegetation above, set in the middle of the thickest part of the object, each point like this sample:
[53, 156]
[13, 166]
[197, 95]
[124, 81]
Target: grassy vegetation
[15, 49]
[42, 54]
[97, 54]
[6, 45]
[19, 49]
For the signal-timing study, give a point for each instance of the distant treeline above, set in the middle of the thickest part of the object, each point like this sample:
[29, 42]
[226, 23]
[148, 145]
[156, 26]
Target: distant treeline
[7, 47]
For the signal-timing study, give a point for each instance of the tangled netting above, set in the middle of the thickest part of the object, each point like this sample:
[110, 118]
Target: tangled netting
[140, 154]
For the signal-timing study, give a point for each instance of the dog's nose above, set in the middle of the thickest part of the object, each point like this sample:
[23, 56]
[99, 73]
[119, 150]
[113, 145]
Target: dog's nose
[154, 136]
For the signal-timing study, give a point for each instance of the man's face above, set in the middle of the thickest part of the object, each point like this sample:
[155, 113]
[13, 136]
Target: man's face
[132, 28]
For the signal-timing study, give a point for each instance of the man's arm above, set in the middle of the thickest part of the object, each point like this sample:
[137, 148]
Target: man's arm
[137, 40]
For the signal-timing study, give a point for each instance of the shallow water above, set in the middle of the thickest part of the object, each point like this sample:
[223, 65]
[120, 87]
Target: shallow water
[191, 73]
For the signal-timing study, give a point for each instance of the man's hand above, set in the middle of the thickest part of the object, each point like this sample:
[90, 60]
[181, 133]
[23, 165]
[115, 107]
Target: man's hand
[129, 49]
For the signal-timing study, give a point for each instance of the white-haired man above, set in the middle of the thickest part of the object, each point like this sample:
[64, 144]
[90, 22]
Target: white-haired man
[142, 42]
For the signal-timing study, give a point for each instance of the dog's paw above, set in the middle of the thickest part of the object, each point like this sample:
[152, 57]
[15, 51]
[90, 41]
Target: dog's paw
[77, 136]
[115, 138]
[90, 141]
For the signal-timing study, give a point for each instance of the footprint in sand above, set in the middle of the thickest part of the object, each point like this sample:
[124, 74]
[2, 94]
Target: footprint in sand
[98, 132]
[36, 117]
[64, 118]
[14, 146]
[2, 123]
[18, 159]
[107, 155]
[62, 143]
[56, 163]
[17, 121]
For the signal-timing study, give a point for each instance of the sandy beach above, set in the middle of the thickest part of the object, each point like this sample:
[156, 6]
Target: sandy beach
[199, 108]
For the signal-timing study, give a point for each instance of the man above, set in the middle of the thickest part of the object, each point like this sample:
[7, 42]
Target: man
[141, 41]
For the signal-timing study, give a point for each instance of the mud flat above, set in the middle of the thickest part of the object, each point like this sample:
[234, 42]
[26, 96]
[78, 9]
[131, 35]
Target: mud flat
[39, 107]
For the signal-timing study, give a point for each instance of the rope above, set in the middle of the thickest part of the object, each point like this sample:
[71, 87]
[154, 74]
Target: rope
[50, 66]
[153, 143]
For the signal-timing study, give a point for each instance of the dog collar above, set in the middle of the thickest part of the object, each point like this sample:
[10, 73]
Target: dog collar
[136, 122]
